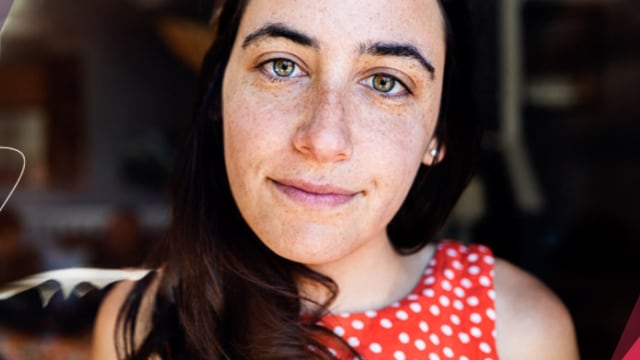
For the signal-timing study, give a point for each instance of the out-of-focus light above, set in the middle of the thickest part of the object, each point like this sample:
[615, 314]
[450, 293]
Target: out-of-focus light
[553, 92]
[5, 6]
[16, 18]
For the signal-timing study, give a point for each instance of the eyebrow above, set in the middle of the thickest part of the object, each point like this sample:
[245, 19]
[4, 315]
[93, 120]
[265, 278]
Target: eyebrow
[277, 30]
[400, 50]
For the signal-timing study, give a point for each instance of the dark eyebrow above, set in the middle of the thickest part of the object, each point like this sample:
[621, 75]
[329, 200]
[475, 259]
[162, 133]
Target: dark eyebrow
[276, 30]
[402, 50]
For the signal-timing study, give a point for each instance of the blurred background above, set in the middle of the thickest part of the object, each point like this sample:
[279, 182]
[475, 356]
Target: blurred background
[98, 93]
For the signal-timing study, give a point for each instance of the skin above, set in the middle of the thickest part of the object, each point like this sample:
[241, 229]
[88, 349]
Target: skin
[320, 159]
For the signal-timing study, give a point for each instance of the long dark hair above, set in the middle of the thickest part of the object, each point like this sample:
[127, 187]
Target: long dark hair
[223, 294]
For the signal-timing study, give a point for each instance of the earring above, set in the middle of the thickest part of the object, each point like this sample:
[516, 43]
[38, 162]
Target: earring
[434, 153]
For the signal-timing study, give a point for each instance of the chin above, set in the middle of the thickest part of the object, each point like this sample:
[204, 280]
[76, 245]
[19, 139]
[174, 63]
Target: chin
[309, 249]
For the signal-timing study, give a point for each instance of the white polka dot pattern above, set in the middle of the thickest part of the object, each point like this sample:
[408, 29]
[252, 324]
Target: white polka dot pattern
[434, 339]
[404, 338]
[449, 315]
[353, 341]
[402, 315]
[415, 307]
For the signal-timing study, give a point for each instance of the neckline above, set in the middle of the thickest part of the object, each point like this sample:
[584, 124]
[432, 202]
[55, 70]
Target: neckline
[405, 301]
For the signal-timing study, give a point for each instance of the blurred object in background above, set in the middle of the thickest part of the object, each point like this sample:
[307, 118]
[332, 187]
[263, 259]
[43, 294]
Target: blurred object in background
[98, 104]
[41, 115]
[59, 330]
[17, 259]
[123, 245]
[581, 113]
[19, 346]
[567, 73]
[578, 64]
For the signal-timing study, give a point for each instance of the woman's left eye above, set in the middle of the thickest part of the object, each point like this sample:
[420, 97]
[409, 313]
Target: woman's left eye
[386, 84]
[281, 68]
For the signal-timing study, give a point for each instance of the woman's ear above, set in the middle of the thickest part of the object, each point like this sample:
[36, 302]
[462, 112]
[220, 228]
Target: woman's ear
[435, 153]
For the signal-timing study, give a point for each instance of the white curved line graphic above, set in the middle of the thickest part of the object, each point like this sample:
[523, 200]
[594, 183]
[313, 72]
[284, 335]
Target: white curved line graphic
[24, 165]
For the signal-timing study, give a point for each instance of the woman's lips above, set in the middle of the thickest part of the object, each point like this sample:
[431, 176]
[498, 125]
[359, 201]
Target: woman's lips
[314, 195]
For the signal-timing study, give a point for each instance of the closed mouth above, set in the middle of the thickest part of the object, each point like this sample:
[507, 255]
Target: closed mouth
[314, 195]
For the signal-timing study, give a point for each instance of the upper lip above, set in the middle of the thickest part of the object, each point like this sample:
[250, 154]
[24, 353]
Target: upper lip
[315, 188]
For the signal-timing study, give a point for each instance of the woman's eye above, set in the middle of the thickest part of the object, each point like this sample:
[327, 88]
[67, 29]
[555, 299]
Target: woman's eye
[283, 67]
[383, 83]
[386, 84]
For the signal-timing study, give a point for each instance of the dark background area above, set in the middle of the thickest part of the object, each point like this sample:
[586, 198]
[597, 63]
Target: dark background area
[100, 93]
[580, 125]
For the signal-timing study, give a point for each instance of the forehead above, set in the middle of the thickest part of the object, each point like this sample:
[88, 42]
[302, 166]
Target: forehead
[353, 22]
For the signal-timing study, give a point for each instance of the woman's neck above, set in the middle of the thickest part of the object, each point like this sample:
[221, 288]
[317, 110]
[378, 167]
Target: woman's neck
[372, 277]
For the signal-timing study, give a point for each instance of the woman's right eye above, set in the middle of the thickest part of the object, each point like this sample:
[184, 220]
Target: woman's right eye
[281, 68]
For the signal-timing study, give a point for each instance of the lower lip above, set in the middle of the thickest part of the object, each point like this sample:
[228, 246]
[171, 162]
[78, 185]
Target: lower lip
[314, 200]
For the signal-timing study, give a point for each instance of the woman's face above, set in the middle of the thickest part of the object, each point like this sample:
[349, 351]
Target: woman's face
[329, 109]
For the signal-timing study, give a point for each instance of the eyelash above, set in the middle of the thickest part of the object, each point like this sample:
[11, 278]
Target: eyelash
[268, 69]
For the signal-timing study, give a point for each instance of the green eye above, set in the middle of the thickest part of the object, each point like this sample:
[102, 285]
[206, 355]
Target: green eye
[383, 83]
[283, 67]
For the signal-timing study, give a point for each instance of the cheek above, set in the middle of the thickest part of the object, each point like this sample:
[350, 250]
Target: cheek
[257, 129]
[397, 140]
[260, 121]
[403, 129]
[238, 137]
[395, 149]
[244, 119]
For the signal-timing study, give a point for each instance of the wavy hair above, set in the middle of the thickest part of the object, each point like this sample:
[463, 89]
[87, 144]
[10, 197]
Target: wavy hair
[223, 294]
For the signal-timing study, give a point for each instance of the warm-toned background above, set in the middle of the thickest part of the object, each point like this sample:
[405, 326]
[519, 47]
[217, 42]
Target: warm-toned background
[97, 94]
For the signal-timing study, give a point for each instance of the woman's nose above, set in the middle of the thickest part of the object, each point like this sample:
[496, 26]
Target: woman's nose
[325, 136]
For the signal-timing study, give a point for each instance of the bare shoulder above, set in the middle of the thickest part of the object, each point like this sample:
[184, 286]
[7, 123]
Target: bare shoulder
[104, 332]
[103, 344]
[532, 322]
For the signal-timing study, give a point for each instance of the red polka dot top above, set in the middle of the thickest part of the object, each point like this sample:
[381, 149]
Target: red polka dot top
[450, 314]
